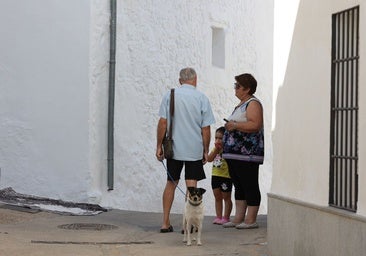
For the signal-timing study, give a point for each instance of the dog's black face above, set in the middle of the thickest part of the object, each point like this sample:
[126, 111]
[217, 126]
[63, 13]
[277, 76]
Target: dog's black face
[195, 194]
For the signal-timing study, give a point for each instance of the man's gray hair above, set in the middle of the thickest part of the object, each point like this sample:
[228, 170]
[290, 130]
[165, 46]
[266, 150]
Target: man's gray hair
[187, 74]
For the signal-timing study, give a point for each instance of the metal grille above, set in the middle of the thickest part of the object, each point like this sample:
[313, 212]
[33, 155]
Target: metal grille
[343, 191]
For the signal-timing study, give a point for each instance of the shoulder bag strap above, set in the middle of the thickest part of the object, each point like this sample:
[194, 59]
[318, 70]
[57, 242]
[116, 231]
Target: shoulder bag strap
[170, 134]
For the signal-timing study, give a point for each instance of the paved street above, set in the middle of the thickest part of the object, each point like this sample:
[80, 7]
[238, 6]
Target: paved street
[120, 233]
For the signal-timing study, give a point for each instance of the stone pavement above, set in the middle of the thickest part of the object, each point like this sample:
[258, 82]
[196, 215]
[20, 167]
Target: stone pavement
[118, 232]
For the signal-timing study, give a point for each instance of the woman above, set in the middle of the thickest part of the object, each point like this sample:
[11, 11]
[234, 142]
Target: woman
[244, 152]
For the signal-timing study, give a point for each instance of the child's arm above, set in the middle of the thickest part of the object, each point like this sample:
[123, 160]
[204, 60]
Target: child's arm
[213, 154]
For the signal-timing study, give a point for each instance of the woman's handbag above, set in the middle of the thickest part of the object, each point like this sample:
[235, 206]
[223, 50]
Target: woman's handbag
[168, 140]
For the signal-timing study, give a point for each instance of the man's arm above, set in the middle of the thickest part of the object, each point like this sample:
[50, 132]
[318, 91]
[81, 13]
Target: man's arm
[161, 130]
[206, 137]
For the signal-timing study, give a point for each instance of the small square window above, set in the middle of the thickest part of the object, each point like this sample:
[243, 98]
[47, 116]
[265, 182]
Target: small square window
[218, 47]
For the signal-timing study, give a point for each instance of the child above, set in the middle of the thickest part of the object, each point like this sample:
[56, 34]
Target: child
[220, 180]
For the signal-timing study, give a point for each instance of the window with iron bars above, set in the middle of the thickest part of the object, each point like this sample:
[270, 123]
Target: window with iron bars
[343, 192]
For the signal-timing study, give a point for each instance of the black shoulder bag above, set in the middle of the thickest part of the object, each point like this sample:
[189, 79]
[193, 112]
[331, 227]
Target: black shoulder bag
[168, 139]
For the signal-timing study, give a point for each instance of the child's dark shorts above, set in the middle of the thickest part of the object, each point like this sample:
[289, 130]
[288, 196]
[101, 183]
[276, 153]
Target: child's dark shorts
[225, 184]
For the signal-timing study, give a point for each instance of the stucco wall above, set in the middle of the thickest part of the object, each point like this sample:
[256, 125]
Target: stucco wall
[362, 120]
[62, 147]
[302, 229]
[300, 222]
[301, 132]
[155, 41]
[301, 168]
[44, 99]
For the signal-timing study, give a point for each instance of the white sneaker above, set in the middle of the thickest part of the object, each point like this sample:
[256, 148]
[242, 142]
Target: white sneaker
[229, 225]
[247, 226]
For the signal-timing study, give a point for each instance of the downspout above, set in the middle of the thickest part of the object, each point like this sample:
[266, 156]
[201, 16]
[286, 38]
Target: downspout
[112, 72]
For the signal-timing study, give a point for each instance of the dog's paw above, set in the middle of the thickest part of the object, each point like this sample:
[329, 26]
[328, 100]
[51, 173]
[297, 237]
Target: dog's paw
[199, 243]
[189, 243]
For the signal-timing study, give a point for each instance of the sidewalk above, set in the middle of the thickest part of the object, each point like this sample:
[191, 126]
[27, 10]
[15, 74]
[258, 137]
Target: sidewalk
[124, 233]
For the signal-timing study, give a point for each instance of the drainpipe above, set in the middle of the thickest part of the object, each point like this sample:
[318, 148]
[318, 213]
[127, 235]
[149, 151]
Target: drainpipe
[112, 71]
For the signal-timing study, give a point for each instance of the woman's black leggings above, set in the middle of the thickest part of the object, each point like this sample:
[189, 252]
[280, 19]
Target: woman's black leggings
[245, 179]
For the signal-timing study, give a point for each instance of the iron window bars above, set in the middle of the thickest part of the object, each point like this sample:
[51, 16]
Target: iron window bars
[343, 192]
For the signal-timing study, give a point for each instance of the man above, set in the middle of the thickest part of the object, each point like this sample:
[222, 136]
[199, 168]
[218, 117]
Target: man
[191, 135]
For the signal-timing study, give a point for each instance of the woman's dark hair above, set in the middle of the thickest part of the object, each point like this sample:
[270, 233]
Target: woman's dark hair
[247, 81]
[221, 129]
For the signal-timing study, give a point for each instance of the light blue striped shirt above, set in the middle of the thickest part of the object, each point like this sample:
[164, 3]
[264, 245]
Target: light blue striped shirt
[192, 111]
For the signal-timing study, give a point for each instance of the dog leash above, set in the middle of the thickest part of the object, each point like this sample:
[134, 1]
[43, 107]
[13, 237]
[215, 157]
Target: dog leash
[171, 178]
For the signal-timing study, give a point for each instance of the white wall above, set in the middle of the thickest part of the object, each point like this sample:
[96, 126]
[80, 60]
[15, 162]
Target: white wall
[301, 131]
[154, 41]
[362, 121]
[44, 84]
[299, 122]
[284, 22]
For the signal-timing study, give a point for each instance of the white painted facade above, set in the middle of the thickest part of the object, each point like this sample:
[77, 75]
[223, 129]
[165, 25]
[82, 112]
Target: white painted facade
[300, 222]
[54, 62]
